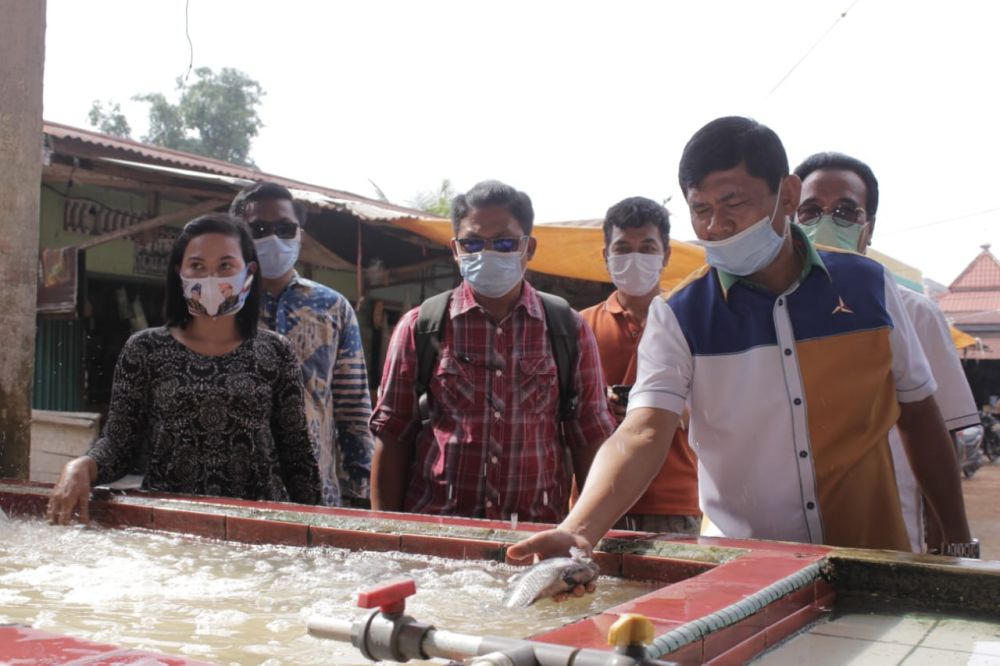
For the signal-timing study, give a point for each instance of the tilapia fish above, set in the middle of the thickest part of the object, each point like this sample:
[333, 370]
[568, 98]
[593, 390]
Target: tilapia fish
[551, 577]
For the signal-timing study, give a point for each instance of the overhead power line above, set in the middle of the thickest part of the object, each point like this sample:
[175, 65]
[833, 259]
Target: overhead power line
[936, 222]
[819, 41]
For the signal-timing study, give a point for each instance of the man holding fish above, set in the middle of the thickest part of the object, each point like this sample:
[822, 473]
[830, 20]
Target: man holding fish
[796, 363]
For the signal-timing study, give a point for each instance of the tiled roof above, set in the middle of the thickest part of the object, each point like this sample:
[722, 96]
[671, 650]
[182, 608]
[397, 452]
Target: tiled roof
[969, 301]
[66, 138]
[983, 274]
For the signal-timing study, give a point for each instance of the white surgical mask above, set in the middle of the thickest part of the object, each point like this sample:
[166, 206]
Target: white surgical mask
[217, 296]
[635, 273]
[750, 250]
[277, 255]
[491, 274]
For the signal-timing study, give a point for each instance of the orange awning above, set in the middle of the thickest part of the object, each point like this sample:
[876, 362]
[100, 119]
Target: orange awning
[573, 252]
[961, 338]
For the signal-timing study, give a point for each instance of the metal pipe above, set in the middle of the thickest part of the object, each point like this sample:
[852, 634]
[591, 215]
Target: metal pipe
[451, 645]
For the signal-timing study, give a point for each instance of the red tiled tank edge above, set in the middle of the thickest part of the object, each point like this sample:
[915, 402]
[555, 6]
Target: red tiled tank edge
[113, 514]
[208, 525]
[353, 540]
[663, 569]
[454, 548]
[255, 530]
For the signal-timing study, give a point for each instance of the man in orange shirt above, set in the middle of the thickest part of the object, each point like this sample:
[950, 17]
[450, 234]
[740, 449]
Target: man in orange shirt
[636, 249]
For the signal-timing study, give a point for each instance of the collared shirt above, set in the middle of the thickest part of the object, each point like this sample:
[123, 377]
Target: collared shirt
[492, 448]
[954, 398]
[674, 491]
[323, 330]
[792, 397]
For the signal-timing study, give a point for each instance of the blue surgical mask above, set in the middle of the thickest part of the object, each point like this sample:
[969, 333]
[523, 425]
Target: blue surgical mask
[491, 274]
[834, 232]
[277, 255]
[750, 250]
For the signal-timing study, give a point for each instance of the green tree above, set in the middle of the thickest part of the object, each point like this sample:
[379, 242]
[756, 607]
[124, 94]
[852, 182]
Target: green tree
[109, 120]
[437, 202]
[216, 116]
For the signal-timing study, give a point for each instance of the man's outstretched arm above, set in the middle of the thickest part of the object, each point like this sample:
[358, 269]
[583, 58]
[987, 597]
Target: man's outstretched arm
[623, 468]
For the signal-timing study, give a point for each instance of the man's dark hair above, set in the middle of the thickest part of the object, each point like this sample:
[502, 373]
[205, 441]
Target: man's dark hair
[493, 193]
[636, 212]
[175, 307]
[727, 142]
[266, 191]
[842, 162]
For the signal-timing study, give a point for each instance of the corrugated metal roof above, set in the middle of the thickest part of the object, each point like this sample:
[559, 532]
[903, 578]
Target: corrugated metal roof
[140, 155]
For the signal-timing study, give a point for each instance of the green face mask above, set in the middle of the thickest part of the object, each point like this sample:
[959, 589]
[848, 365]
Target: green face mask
[834, 232]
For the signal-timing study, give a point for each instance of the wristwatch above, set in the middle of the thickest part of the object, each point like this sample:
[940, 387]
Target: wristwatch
[970, 549]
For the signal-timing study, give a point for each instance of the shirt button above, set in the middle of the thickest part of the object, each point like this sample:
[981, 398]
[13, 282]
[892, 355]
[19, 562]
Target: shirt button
[788, 352]
[499, 373]
[489, 504]
[781, 302]
[797, 401]
[493, 460]
[499, 331]
[803, 454]
[496, 415]
[810, 505]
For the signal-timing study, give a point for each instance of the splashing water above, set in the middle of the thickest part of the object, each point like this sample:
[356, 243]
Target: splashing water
[238, 604]
[513, 521]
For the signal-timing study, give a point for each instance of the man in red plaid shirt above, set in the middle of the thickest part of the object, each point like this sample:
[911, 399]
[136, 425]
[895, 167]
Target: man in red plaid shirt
[492, 447]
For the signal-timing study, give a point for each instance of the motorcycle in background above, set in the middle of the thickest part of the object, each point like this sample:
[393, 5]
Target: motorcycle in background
[991, 435]
[968, 443]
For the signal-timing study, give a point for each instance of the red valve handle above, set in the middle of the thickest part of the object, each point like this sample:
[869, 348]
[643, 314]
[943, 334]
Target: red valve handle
[390, 596]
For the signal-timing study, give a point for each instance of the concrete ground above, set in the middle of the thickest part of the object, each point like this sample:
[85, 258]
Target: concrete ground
[982, 504]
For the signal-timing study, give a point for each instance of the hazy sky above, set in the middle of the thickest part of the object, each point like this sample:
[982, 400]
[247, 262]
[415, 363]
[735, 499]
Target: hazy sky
[580, 104]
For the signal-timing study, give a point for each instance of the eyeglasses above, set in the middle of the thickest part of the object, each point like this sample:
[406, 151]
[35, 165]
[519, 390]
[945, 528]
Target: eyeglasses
[844, 215]
[281, 229]
[473, 245]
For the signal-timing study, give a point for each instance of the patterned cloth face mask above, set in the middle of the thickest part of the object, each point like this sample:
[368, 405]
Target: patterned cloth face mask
[217, 296]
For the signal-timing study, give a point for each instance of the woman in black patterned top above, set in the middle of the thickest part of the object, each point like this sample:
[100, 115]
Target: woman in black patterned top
[219, 402]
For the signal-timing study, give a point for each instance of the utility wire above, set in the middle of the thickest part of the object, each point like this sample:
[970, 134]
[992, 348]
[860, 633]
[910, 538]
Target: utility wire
[936, 222]
[187, 33]
[833, 25]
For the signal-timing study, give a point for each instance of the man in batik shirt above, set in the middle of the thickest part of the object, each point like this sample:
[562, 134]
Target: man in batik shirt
[323, 329]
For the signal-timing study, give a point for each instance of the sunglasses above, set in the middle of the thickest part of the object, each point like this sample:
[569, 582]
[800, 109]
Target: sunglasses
[844, 215]
[282, 229]
[474, 245]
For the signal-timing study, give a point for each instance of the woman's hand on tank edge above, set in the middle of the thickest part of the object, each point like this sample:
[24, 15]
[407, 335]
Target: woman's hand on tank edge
[71, 493]
[553, 543]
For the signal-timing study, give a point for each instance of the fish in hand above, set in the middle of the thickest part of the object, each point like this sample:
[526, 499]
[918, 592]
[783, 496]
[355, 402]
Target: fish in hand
[551, 577]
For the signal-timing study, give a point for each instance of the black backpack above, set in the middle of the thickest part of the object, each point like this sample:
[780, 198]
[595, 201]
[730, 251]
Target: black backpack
[559, 321]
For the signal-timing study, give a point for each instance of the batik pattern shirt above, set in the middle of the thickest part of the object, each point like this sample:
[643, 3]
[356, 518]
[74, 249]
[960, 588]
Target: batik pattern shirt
[231, 425]
[323, 330]
[492, 448]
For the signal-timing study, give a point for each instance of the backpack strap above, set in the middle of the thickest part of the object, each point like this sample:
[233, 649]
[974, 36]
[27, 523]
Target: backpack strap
[427, 339]
[562, 327]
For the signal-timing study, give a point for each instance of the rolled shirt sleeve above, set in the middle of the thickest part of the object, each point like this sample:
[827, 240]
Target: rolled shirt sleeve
[665, 365]
[954, 396]
[910, 369]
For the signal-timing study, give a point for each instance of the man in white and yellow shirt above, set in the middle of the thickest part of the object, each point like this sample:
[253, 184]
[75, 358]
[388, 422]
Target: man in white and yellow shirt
[796, 364]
